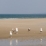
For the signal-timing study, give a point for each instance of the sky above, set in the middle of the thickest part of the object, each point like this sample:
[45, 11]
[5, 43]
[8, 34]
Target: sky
[22, 6]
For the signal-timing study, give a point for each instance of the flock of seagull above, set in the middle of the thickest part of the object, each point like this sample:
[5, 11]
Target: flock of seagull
[16, 30]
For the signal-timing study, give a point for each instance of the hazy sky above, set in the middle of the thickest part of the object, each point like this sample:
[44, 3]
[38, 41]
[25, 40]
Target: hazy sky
[22, 6]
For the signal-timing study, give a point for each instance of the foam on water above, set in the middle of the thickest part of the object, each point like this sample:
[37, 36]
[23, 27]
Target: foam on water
[2, 16]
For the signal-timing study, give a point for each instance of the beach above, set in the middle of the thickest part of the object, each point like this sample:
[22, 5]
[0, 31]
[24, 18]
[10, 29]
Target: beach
[34, 24]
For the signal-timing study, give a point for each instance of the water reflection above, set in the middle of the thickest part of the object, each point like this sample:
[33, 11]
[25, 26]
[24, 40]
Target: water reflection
[13, 42]
[16, 41]
[10, 42]
[23, 42]
[41, 40]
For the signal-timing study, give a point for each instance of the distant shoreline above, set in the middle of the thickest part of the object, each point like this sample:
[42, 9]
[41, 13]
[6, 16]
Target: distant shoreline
[22, 18]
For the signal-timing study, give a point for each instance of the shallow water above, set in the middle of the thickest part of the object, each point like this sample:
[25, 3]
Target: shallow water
[23, 42]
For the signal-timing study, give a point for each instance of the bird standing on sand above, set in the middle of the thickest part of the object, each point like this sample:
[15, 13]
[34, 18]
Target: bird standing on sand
[16, 30]
[28, 29]
[10, 33]
[41, 30]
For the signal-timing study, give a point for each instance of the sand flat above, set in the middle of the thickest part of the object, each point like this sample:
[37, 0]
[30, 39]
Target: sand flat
[23, 24]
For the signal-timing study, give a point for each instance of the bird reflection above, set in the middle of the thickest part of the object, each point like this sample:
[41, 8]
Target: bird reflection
[16, 41]
[41, 40]
[10, 42]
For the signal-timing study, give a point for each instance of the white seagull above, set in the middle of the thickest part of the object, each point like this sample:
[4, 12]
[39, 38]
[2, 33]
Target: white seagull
[41, 30]
[10, 33]
[16, 30]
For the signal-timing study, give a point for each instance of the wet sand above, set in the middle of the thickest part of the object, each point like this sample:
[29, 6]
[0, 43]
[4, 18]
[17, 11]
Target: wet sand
[6, 26]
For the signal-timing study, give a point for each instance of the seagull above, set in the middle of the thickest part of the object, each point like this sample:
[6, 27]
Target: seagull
[41, 30]
[10, 33]
[16, 30]
[28, 29]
